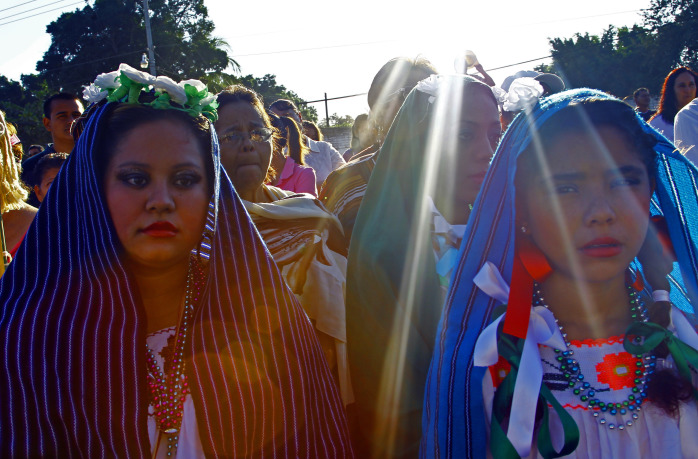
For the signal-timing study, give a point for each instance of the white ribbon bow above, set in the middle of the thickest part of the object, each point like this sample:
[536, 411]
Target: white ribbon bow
[542, 329]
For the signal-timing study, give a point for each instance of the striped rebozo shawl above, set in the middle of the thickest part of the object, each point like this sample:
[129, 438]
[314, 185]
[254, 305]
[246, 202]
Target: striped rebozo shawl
[72, 338]
[307, 245]
[454, 415]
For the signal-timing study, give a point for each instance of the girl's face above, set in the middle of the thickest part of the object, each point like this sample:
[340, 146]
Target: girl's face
[157, 193]
[684, 89]
[589, 211]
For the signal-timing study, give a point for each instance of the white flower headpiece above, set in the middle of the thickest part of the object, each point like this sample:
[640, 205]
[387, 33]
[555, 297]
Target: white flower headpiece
[431, 86]
[127, 83]
[523, 94]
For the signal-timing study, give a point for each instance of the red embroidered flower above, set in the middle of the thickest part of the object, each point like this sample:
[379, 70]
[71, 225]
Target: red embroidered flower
[499, 371]
[617, 370]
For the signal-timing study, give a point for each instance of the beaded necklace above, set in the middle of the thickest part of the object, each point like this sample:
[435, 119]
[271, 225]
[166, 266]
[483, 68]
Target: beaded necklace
[611, 415]
[169, 391]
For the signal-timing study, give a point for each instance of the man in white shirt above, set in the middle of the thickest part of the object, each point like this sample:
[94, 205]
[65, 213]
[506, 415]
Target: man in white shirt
[323, 157]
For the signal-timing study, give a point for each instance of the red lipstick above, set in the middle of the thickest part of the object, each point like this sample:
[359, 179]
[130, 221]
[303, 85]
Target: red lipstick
[603, 247]
[160, 229]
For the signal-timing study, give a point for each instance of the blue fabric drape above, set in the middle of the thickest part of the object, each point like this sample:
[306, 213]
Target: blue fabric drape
[454, 418]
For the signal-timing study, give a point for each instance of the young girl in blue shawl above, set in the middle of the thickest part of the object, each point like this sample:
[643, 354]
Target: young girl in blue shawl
[559, 335]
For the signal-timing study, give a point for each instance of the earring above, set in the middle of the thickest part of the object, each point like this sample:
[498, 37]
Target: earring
[524, 229]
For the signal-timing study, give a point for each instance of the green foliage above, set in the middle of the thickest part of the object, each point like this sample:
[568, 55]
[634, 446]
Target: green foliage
[619, 61]
[98, 38]
[23, 106]
[341, 121]
[675, 22]
[265, 86]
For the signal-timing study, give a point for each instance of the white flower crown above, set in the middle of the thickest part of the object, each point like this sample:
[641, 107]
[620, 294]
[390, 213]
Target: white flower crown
[127, 83]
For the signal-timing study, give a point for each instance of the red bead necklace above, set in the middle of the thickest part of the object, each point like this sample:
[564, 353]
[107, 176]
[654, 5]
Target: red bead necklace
[169, 389]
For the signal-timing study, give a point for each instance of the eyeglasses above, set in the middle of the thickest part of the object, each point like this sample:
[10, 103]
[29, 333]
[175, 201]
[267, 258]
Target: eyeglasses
[260, 135]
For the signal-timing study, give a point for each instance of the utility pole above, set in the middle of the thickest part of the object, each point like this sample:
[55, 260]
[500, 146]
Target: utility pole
[151, 53]
[327, 112]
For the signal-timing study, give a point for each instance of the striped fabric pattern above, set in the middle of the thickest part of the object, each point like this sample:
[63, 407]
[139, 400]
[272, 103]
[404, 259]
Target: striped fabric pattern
[453, 421]
[344, 190]
[72, 338]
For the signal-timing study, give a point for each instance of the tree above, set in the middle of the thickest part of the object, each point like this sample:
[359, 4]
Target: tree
[619, 61]
[676, 23]
[341, 121]
[23, 106]
[98, 38]
[270, 91]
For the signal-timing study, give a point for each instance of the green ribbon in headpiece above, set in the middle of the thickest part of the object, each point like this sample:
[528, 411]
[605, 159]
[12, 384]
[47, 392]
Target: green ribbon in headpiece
[128, 88]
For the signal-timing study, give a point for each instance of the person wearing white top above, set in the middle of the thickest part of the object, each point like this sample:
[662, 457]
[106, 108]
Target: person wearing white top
[686, 130]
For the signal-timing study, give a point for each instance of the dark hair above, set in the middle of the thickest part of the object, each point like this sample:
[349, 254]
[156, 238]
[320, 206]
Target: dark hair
[315, 129]
[290, 135]
[283, 105]
[638, 91]
[398, 73]
[665, 389]
[238, 93]
[593, 113]
[125, 117]
[34, 146]
[48, 162]
[668, 105]
[59, 96]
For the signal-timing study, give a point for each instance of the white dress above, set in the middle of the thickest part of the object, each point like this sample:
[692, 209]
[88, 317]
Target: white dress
[611, 371]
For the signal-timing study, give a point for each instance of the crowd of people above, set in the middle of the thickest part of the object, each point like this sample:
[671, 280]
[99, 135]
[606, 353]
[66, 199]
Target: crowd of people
[488, 271]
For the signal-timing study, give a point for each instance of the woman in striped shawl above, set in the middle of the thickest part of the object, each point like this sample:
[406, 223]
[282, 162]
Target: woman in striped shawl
[143, 315]
[303, 237]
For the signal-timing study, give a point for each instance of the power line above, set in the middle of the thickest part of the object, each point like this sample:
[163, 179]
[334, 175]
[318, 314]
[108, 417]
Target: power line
[487, 70]
[519, 63]
[33, 9]
[37, 14]
[332, 98]
[19, 4]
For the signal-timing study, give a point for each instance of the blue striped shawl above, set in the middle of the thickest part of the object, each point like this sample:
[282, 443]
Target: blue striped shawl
[454, 416]
[72, 338]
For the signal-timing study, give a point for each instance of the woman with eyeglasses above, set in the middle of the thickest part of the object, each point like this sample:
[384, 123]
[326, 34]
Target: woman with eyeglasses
[305, 240]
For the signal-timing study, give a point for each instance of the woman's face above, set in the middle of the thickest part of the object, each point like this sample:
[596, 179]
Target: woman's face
[684, 89]
[476, 136]
[245, 154]
[589, 211]
[157, 193]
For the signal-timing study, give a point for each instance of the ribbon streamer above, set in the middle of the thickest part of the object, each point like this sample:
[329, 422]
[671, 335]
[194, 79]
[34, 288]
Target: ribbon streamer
[524, 359]
[684, 355]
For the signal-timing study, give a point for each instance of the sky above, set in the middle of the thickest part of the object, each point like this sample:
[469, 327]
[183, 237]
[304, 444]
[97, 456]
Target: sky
[320, 47]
